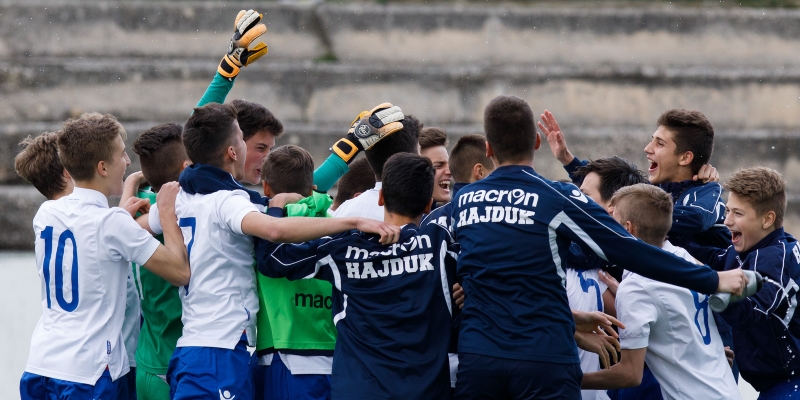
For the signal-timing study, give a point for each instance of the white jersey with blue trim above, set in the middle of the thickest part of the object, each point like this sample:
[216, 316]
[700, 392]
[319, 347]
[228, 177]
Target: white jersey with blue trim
[220, 301]
[684, 349]
[585, 293]
[83, 255]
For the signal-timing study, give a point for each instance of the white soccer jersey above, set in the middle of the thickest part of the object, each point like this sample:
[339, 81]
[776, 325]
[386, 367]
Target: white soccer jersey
[132, 323]
[220, 302]
[684, 349]
[83, 254]
[585, 293]
[365, 205]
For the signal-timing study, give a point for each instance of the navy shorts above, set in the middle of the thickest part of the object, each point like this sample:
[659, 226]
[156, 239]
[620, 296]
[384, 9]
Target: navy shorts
[484, 377]
[211, 373]
[35, 387]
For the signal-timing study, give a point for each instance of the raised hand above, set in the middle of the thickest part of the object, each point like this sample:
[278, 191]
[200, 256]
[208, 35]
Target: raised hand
[707, 174]
[368, 128]
[555, 138]
[246, 30]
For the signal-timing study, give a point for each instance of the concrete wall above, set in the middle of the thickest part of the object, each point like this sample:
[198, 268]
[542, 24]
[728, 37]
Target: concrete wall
[606, 73]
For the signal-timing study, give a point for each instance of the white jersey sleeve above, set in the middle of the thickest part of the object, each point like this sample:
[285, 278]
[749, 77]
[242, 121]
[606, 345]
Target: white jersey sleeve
[124, 239]
[153, 219]
[637, 311]
[233, 209]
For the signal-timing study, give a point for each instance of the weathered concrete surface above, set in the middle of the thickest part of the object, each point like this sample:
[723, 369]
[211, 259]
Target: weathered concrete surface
[19, 206]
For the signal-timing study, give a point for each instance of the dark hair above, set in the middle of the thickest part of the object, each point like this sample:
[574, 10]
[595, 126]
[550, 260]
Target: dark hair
[648, 207]
[208, 132]
[510, 130]
[615, 173]
[161, 154]
[432, 137]
[358, 179]
[407, 184]
[254, 118]
[87, 140]
[39, 164]
[468, 151]
[691, 131]
[402, 141]
[763, 188]
[289, 169]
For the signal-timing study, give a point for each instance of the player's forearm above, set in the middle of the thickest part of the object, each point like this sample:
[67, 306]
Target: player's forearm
[329, 172]
[293, 229]
[217, 90]
[616, 377]
[177, 270]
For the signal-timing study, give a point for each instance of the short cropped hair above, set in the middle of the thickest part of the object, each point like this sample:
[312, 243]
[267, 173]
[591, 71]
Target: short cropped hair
[254, 118]
[468, 151]
[402, 141]
[615, 173]
[161, 154]
[407, 184]
[208, 132]
[39, 164]
[87, 140]
[509, 126]
[432, 137]
[691, 131]
[761, 187]
[648, 207]
[289, 169]
[358, 179]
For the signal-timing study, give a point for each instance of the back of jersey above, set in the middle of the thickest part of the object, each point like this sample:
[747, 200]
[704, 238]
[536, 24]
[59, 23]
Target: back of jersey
[220, 302]
[82, 254]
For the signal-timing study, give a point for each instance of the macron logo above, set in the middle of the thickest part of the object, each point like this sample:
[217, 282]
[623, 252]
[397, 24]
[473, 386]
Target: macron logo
[226, 395]
[577, 195]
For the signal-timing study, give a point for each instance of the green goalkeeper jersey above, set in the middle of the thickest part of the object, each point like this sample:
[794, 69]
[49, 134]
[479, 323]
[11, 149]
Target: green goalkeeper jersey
[161, 311]
[296, 315]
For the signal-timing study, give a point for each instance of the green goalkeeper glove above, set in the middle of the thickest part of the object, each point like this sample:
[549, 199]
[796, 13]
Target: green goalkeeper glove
[367, 129]
[246, 30]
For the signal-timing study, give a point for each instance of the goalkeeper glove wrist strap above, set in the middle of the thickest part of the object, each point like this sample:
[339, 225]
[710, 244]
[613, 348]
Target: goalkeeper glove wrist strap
[228, 68]
[345, 149]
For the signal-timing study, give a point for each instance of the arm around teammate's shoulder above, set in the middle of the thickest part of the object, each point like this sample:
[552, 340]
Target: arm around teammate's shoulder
[170, 261]
[301, 229]
[699, 212]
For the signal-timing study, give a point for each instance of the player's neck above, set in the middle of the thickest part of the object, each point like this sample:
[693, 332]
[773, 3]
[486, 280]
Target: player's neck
[400, 220]
[522, 163]
[96, 185]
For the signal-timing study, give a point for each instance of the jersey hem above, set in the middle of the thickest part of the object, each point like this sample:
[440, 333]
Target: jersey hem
[72, 378]
[565, 359]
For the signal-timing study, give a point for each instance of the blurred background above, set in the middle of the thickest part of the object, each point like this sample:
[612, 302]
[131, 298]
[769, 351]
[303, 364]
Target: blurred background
[606, 69]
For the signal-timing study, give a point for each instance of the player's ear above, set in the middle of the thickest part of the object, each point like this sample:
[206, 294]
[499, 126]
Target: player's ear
[186, 164]
[767, 219]
[489, 150]
[380, 198]
[101, 168]
[267, 190]
[477, 172]
[428, 207]
[686, 158]
[231, 152]
[538, 141]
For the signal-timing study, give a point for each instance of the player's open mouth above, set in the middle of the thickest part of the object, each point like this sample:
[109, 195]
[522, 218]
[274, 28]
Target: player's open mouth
[445, 185]
[735, 236]
[653, 165]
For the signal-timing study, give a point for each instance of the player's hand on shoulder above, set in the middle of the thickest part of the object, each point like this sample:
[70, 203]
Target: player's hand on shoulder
[604, 346]
[707, 173]
[729, 355]
[134, 205]
[134, 180]
[246, 30]
[166, 198]
[282, 199]
[458, 295]
[609, 281]
[555, 138]
[732, 281]
[596, 322]
[389, 233]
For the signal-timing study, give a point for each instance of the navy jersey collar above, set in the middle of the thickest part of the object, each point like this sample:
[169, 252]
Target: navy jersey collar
[676, 189]
[207, 179]
[768, 240]
[510, 169]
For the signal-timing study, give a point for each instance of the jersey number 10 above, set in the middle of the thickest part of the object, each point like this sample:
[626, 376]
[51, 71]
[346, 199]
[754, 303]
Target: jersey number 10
[47, 235]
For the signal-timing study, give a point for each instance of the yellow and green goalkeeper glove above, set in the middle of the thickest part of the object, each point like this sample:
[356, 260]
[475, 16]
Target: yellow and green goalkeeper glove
[246, 30]
[368, 128]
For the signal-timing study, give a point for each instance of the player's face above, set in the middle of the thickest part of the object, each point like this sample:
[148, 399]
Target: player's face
[591, 188]
[258, 148]
[441, 180]
[116, 167]
[745, 224]
[240, 148]
[661, 155]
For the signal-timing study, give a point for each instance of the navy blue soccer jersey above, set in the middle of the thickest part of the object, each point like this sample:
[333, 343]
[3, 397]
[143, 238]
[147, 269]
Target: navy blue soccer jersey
[514, 229]
[391, 307]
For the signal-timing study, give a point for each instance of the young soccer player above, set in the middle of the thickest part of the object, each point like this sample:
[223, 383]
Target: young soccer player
[402, 141]
[766, 329]
[668, 326]
[391, 304]
[358, 179]
[218, 217]
[296, 335]
[39, 164]
[83, 258]
[432, 144]
[514, 284]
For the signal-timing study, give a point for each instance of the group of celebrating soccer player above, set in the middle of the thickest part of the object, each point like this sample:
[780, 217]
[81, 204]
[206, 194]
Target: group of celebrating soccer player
[430, 276]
